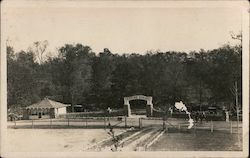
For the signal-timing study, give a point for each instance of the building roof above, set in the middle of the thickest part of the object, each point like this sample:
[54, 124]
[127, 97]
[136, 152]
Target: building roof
[47, 104]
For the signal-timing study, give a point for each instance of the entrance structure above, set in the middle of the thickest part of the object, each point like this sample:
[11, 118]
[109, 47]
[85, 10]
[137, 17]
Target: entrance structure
[149, 106]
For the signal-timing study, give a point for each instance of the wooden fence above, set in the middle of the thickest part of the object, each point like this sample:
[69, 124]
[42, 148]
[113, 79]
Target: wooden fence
[126, 122]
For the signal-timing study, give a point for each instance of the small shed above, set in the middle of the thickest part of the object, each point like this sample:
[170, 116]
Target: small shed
[45, 109]
[78, 108]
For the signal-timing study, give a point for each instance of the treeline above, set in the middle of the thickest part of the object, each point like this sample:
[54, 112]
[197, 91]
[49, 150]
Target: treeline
[97, 81]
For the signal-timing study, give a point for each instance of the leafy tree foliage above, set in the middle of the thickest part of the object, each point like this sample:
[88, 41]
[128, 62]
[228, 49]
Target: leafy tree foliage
[21, 78]
[77, 61]
[97, 81]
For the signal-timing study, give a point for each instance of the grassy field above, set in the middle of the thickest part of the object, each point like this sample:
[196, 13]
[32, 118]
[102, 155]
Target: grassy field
[201, 140]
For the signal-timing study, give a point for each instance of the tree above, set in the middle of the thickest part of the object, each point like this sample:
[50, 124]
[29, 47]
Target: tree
[78, 76]
[103, 66]
[238, 78]
[39, 49]
[198, 68]
[77, 60]
[22, 89]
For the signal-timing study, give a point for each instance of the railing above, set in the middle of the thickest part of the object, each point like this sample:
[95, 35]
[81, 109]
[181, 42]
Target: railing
[84, 122]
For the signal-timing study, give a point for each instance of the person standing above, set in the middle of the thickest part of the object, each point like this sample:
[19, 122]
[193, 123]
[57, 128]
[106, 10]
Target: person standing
[171, 111]
[227, 116]
[204, 116]
[201, 116]
[196, 116]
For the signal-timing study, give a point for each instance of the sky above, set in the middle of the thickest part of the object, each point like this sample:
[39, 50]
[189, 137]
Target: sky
[121, 29]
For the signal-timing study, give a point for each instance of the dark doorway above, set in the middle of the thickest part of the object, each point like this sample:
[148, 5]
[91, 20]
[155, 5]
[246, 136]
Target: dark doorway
[138, 107]
[39, 115]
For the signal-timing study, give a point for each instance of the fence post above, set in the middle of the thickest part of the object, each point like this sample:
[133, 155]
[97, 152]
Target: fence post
[50, 123]
[105, 123]
[68, 121]
[195, 127]
[139, 123]
[212, 126]
[86, 122]
[125, 122]
[179, 127]
[32, 123]
[164, 125]
[164, 122]
[231, 127]
[15, 122]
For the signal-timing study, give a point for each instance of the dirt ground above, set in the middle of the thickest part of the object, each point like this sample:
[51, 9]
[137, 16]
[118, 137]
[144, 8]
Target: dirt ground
[77, 137]
[53, 140]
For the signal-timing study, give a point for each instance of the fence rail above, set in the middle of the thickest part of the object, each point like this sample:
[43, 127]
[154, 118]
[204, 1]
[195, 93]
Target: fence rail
[125, 122]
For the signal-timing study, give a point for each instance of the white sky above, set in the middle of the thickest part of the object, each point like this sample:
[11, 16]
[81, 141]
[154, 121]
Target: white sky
[122, 30]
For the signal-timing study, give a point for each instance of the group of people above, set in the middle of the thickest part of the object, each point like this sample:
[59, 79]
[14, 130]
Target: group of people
[199, 116]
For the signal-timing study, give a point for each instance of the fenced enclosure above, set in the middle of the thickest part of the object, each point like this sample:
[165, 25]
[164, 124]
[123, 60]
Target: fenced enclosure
[127, 122]
[143, 134]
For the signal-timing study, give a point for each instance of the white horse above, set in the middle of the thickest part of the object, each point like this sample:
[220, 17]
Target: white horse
[182, 107]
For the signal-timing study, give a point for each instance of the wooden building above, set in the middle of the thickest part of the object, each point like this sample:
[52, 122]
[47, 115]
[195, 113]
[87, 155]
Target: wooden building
[46, 109]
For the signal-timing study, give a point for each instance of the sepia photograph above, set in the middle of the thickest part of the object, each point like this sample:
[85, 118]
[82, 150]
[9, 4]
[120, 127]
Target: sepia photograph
[124, 78]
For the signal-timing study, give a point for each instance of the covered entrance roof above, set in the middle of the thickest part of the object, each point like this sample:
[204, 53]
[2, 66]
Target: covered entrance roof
[47, 104]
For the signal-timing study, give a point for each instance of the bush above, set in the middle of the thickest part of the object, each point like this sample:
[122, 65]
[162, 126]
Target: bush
[93, 114]
[215, 118]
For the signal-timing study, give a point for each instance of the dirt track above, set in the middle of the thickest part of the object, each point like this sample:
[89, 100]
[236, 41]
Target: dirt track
[131, 140]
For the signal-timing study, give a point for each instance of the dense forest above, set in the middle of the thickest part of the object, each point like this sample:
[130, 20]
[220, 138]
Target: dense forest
[77, 75]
